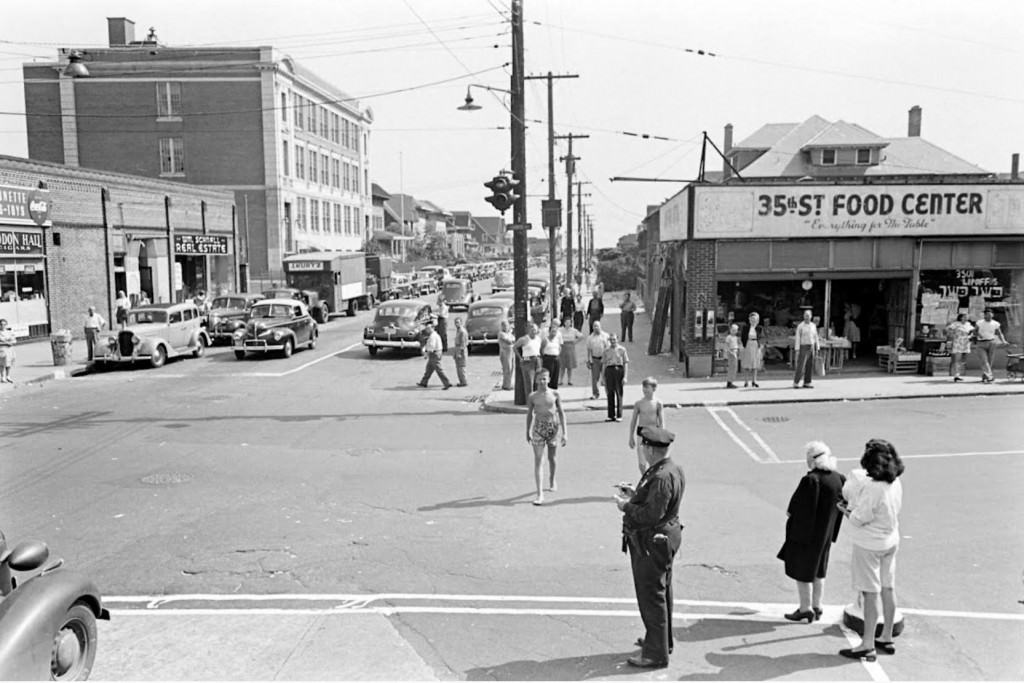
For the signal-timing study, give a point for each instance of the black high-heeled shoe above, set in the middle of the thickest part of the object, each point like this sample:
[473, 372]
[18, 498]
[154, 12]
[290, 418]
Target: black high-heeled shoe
[817, 613]
[800, 615]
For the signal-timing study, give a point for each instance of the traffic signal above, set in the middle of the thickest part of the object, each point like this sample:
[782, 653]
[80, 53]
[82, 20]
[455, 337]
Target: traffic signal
[503, 193]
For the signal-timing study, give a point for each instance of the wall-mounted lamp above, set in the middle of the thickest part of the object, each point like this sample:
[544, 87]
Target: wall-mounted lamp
[76, 65]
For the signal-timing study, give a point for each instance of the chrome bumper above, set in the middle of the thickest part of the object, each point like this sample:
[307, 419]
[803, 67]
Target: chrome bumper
[257, 345]
[392, 343]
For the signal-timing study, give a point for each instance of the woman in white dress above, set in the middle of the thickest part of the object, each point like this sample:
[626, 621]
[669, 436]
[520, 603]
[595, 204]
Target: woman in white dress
[752, 339]
[568, 360]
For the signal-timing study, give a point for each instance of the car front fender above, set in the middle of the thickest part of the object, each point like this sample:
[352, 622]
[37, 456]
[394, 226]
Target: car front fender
[31, 615]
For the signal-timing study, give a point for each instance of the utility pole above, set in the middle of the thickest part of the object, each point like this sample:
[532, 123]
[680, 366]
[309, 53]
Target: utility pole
[580, 221]
[552, 217]
[570, 171]
[517, 125]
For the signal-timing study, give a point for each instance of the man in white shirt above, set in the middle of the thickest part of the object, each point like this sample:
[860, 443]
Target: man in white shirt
[527, 348]
[807, 344]
[989, 333]
[442, 320]
[432, 351]
[597, 344]
[94, 322]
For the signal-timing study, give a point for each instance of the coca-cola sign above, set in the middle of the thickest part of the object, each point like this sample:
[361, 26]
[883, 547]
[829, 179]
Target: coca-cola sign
[24, 206]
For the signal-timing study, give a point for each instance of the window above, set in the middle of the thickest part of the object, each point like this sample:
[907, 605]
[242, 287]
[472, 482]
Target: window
[298, 111]
[346, 177]
[828, 157]
[284, 107]
[314, 214]
[357, 219]
[310, 117]
[355, 178]
[300, 163]
[863, 156]
[324, 123]
[284, 159]
[344, 133]
[335, 134]
[355, 137]
[325, 170]
[348, 220]
[313, 176]
[336, 173]
[337, 218]
[366, 181]
[172, 156]
[300, 214]
[168, 100]
[175, 317]
[327, 216]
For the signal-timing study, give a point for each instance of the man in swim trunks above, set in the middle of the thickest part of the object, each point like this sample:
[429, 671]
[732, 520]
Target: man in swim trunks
[545, 428]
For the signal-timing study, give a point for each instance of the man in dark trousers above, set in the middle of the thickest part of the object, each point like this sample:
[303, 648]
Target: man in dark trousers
[652, 533]
[595, 309]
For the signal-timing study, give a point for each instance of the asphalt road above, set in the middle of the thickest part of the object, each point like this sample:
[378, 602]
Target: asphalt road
[322, 517]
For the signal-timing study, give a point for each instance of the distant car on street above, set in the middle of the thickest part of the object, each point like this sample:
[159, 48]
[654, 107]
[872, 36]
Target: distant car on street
[423, 283]
[457, 293]
[503, 280]
[398, 325]
[154, 333]
[276, 325]
[483, 321]
[227, 314]
[401, 285]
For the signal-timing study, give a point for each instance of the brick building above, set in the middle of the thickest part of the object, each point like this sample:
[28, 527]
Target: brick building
[895, 235]
[289, 145]
[73, 237]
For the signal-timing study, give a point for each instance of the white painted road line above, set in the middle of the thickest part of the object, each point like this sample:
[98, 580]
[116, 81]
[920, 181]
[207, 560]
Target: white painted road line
[769, 454]
[874, 669]
[713, 411]
[301, 367]
[968, 454]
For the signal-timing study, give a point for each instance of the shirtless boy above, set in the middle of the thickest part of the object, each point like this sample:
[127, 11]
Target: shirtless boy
[545, 427]
[647, 412]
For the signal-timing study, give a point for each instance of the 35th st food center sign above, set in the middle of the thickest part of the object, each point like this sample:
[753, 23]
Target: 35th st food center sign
[857, 211]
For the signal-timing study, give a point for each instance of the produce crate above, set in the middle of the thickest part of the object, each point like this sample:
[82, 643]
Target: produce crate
[937, 365]
[904, 363]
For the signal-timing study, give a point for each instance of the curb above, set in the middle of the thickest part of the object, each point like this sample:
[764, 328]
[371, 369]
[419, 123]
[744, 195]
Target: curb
[59, 373]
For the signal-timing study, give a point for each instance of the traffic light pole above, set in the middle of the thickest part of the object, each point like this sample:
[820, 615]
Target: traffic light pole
[517, 125]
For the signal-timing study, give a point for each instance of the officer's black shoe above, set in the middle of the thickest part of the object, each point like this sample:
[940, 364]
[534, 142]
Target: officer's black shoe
[644, 663]
[640, 643]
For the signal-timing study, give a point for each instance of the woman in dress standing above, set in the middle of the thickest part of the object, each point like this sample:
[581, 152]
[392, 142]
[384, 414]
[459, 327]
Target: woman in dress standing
[568, 360]
[811, 529]
[959, 335]
[7, 342]
[752, 338]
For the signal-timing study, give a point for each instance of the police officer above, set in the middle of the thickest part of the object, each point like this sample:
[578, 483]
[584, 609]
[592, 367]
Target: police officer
[652, 533]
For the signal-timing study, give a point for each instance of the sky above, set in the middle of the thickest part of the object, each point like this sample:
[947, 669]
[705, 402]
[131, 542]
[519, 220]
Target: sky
[640, 73]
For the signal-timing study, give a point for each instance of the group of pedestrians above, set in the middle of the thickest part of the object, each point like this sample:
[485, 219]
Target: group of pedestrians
[986, 334]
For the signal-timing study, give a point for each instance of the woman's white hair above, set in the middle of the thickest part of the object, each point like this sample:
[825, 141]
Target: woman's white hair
[819, 456]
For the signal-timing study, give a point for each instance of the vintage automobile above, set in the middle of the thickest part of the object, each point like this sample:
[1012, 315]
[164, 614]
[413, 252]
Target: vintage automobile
[457, 293]
[503, 279]
[47, 616]
[401, 285]
[439, 273]
[398, 325]
[227, 314]
[276, 325]
[154, 332]
[423, 283]
[538, 282]
[483, 321]
[317, 308]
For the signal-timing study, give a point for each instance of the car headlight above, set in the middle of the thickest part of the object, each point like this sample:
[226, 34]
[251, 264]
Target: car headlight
[135, 339]
[368, 330]
[276, 334]
[214, 321]
[112, 342]
[239, 333]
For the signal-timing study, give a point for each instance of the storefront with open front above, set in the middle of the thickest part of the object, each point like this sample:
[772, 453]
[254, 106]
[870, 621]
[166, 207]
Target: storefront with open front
[877, 265]
[23, 286]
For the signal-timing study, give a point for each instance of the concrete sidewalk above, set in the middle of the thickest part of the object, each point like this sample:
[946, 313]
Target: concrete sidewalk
[776, 384]
[33, 363]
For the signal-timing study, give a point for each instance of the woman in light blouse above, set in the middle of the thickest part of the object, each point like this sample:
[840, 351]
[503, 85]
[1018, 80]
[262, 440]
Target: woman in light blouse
[959, 335]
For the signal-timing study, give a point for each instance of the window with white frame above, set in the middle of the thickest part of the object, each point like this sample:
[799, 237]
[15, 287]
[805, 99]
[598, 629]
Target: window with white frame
[346, 176]
[324, 124]
[310, 117]
[299, 99]
[357, 219]
[168, 100]
[335, 134]
[314, 215]
[348, 220]
[337, 219]
[300, 163]
[285, 167]
[300, 214]
[284, 107]
[336, 173]
[366, 181]
[325, 178]
[863, 156]
[313, 176]
[327, 216]
[172, 156]
[355, 178]
[828, 157]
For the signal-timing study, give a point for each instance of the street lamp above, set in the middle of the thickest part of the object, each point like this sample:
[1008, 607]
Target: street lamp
[76, 66]
[470, 105]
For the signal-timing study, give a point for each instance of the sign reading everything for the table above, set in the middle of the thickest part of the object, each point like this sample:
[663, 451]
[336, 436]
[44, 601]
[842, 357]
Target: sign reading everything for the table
[201, 245]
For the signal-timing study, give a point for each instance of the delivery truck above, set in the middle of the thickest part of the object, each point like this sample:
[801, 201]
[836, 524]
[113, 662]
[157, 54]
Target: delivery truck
[380, 268]
[338, 277]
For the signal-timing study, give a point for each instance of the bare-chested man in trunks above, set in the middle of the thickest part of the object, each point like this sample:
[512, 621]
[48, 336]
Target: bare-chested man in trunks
[647, 412]
[545, 427]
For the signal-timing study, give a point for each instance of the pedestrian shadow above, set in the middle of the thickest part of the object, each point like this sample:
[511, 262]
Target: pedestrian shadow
[476, 502]
[763, 667]
[562, 669]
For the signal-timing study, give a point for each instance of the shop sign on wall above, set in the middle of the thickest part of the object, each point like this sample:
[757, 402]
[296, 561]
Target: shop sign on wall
[18, 243]
[858, 211]
[201, 245]
[673, 216]
[24, 206]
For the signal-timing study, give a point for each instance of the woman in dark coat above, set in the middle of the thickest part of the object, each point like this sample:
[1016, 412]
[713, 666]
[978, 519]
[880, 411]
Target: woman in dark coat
[811, 529]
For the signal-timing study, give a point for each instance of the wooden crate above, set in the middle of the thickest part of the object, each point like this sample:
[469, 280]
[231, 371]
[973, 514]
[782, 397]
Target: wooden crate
[937, 365]
[904, 363]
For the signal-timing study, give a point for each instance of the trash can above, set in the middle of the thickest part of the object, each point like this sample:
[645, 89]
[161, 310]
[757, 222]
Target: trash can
[60, 344]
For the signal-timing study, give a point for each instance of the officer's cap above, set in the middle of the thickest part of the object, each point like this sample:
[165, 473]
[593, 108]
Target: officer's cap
[657, 437]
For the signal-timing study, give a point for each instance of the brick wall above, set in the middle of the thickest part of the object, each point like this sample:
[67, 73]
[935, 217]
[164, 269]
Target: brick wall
[701, 292]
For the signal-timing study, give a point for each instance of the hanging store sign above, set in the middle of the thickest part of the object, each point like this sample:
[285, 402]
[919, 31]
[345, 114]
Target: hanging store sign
[20, 243]
[201, 245]
[293, 266]
[857, 211]
[24, 206]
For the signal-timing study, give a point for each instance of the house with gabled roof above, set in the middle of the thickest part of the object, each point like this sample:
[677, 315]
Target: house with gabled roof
[490, 234]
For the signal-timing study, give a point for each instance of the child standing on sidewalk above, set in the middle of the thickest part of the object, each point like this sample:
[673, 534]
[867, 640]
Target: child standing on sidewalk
[732, 355]
[647, 412]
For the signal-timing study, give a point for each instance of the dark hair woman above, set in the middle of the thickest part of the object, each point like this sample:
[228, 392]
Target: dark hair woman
[811, 529]
[874, 496]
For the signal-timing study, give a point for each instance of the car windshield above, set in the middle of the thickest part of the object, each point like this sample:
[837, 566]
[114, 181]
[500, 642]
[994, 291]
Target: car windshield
[272, 311]
[394, 311]
[487, 312]
[146, 316]
[504, 278]
[228, 302]
[454, 289]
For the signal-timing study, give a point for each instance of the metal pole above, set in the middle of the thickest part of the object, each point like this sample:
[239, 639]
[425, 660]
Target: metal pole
[568, 215]
[518, 136]
[552, 236]
[579, 219]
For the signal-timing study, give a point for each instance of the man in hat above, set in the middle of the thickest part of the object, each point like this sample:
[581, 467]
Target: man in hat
[652, 533]
[432, 351]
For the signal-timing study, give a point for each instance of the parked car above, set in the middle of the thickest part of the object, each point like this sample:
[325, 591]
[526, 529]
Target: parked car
[538, 282]
[423, 283]
[398, 325]
[457, 293]
[319, 309]
[439, 273]
[276, 325]
[155, 332]
[503, 279]
[227, 314]
[47, 617]
[483, 321]
[401, 285]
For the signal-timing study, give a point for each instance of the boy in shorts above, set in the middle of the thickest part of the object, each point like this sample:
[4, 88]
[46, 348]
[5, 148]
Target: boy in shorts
[545, 428]
[647, 412]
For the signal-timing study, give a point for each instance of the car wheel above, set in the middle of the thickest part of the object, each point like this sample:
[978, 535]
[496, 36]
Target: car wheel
[373, 350]
[240, 355]
[159, 356]
[312, 341]
[74, 645]
[321, 314]
[200, 347]
[288, 348]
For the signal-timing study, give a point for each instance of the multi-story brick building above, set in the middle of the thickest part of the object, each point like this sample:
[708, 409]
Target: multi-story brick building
[291, 146]
[73, 237]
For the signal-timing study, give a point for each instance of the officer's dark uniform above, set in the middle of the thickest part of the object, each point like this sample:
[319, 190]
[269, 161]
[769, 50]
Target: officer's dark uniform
[652, 533]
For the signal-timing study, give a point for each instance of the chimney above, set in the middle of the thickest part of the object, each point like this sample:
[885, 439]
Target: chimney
[120, 31]
[914, 122]
[726, 148]
[1015, 166]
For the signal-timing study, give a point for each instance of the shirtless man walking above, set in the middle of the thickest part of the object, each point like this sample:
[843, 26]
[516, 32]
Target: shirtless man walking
[647, 412]
[545, 428]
